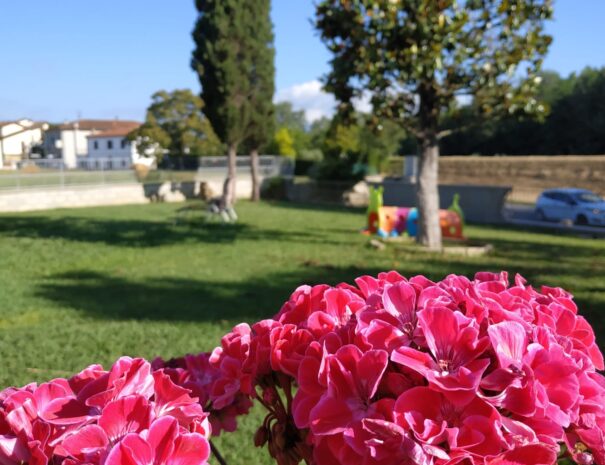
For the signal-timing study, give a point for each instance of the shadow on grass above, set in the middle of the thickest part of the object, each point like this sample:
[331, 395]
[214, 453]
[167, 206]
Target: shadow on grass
[106, 297]
[141, 233]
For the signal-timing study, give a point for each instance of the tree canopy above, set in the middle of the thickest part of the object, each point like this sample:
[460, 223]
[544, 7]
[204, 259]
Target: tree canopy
[175, 124]
[417, 57]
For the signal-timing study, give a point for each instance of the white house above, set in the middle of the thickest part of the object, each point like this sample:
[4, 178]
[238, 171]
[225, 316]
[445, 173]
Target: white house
[17, 139]
[111, 149]
[69, 141]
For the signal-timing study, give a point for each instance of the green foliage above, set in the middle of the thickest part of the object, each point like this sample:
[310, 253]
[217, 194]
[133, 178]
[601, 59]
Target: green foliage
[417, 56]
[274, 188]
[371, 144]
[346, 167]
[294, 122]
[224, 66]
[259, 46]
[283, 143]
[286, 116]
[174, 123]
[342, 139]
[574, 125]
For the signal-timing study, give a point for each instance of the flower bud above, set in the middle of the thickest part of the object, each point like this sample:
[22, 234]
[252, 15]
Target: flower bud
[261, 436]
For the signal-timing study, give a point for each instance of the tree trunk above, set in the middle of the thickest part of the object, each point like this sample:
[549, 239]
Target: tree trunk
[429, 229]
[228, 199]
[255, 175]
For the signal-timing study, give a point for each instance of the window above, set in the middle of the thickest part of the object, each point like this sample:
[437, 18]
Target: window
[95, 145]
[588, 197]
[109, 144]
[123, 143]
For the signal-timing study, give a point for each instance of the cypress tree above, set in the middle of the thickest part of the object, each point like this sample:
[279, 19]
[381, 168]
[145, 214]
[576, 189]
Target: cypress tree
[262, 83]
[221, 60]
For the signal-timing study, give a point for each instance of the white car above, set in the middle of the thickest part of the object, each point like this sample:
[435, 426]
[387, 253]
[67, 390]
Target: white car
[581, 206]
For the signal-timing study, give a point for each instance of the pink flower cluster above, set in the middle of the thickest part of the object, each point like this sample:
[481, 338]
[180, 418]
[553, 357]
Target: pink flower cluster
[410, 371]
[127, 415]
[200, 377]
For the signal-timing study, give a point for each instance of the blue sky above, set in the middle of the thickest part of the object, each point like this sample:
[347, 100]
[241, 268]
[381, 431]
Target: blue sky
[104, 59]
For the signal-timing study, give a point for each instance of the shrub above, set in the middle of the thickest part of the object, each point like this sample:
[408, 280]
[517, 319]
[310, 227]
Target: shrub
[274, 188]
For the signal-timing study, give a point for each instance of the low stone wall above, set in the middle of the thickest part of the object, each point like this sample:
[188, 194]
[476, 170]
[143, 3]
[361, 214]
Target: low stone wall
[109, 194]
[528, 175]
[480, 204]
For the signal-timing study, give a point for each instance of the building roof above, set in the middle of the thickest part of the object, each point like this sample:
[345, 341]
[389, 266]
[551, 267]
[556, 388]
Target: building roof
[120, 131]
[100, 124]
[20, 122]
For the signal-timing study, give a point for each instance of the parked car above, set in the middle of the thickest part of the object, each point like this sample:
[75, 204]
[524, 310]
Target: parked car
[581, 206]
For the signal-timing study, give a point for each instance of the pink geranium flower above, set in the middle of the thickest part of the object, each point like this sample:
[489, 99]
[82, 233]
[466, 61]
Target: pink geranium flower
[81, 420]
[120, 417]
[162, 444]
[454, 345]
[353, 379]
[474, 428]
[393, 325]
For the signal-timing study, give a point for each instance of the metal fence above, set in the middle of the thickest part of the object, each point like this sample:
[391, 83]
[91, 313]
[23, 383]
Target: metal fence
[54, 174]
[61, 178]
[269, 165]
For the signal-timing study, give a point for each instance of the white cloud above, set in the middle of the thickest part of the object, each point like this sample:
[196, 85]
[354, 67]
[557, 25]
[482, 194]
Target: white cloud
[310, 97]
[316, 103]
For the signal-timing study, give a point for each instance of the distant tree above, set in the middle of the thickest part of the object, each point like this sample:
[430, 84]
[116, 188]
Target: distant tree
[379, 142]
[286, 116]
[575, 123]
[416, 57]
[296, 124]
[262, 84]
[223, 66]
[342, 139]
[151, 140]
[175, 124]
[360, 139]
[283, 143]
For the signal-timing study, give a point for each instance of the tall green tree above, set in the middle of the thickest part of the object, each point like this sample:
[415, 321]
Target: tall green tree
[175, 124]
[416, 57]
[223, 66]
[261, 52]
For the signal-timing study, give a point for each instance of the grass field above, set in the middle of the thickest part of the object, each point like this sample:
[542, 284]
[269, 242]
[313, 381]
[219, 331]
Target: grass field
[84, 286]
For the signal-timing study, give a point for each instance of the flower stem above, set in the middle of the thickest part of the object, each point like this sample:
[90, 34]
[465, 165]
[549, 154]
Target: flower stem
[217, 454]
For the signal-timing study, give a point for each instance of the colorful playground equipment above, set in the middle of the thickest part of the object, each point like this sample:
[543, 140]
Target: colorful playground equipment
[398, 221]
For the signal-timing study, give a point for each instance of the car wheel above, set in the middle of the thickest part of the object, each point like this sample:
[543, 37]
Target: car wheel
[581, 220]
[540, 214]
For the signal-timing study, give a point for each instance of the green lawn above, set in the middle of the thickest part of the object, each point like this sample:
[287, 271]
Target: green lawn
[83, 286]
